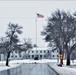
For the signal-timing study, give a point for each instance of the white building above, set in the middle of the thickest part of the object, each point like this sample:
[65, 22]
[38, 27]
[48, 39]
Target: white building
[40, 53]
[15, 55]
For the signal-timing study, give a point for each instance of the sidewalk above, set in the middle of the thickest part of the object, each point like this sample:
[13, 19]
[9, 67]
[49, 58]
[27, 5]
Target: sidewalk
[63, 70]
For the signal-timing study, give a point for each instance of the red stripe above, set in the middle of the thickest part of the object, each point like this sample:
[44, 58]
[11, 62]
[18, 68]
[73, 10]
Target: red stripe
[39, 15]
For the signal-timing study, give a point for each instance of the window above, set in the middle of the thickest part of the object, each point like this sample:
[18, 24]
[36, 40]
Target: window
[20, 55]
[57, 55]
[32, 51]
[44, 55]
[53, 55]
[44, 51]
[16, 56]
[32, 56]
[40, 56]
[15, 51]
[28, 51]
[40, 51]
[28, 56]
[48, 51]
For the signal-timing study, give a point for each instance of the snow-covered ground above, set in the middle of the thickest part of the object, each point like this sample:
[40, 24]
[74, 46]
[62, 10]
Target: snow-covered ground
[15, 63]
[3, 67]
[64, 70]
[32, 61]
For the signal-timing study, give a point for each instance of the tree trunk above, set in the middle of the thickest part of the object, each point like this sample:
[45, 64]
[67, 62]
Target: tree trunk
[61, 59]
[7, 60]
[68, 59]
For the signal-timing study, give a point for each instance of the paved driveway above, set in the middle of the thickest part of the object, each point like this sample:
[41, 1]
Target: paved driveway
[36, 69]
[30, 69]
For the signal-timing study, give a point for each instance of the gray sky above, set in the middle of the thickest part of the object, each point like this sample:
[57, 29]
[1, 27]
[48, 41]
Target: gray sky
[24, 13]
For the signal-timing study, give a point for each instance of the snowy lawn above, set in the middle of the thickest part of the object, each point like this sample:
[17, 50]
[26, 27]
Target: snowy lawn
[65, 70]
[4, 67]
[15, 63]
[72, 65]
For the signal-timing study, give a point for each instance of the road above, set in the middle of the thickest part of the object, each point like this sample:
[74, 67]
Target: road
[36, 69]
[30, 69]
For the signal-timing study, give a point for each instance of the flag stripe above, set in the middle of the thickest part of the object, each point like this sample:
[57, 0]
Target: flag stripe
[40, 15]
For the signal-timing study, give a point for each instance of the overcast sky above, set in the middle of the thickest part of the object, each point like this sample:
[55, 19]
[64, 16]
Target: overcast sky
[24, 13]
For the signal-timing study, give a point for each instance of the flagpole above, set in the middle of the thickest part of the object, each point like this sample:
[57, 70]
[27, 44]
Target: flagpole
[38, 16]
[36, 33]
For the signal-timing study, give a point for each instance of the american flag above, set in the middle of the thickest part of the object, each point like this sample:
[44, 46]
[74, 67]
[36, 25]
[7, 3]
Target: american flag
[40, 15]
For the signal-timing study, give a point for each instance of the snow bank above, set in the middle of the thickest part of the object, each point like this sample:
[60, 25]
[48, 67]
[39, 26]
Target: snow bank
[32, 61]
[65, 70]
[11, 65]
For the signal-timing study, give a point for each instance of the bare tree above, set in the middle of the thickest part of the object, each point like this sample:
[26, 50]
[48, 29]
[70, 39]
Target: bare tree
[3, 46]
[27, 44]
[61, 29]
[12, 34]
